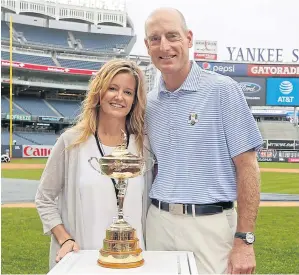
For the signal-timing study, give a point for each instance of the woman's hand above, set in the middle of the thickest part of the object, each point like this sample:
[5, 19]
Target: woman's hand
[67, 247]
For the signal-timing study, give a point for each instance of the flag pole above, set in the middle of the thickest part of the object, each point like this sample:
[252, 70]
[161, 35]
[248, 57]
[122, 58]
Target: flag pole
[10, 89]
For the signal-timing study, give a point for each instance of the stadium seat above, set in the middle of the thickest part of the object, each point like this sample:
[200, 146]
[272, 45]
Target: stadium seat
[35, 106]
[80, 64]
[283, 130]
[66, 108]
[42, 35]
[29, 58]
[5, 107]
[4, 31]
[102, 42]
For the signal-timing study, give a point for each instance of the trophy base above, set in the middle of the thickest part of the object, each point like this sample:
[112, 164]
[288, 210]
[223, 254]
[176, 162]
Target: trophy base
[125, 259]
[121, 265]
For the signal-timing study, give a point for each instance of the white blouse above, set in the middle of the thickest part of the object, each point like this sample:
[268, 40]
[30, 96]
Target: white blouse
[99, 198]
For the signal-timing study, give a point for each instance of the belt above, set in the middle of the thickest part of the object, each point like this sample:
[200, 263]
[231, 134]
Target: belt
[197, 209]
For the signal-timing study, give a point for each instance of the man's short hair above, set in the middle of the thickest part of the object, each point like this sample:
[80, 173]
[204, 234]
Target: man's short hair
[183, 20]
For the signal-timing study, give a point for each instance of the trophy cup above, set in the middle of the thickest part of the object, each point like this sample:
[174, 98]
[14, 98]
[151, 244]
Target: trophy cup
[120, 246]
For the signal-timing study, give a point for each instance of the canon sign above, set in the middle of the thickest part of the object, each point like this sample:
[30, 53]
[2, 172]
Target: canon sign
[36, 151]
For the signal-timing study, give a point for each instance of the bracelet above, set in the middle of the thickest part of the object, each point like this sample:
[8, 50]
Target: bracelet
[70, 239]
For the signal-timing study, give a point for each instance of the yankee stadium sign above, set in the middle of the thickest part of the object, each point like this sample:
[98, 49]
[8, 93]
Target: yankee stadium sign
[260, 55]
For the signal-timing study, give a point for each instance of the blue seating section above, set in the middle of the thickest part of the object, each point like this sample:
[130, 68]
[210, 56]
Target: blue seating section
[80, 64]
[101, 42]
[34, 106]
[59, 37]
[66, 108]
[27, 138]
[43, 35]
[40, 138]
[5, 107]
[28, 58]
[4, 30]
[18, 139]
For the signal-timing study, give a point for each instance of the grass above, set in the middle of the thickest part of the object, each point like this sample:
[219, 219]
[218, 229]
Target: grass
[29, 174]
[284, 183]
[30, 160]
[279, 165]
[277, 243]
[25, 250]
[272, 182]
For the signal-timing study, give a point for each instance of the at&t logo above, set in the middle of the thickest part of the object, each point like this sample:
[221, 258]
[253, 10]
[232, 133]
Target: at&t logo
[286, 87]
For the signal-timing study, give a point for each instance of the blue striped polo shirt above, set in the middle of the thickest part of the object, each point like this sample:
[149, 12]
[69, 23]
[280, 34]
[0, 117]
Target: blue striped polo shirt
[194, 133]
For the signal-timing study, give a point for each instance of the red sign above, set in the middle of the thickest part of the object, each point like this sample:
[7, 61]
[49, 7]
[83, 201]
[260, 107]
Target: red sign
[205, 56]
[36, 151]
[54, 69]
[293, 159]
[273, 70]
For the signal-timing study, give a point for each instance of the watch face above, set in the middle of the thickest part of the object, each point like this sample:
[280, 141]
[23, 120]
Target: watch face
[250, 237]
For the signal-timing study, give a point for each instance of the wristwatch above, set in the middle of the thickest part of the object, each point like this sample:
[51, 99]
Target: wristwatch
[247, 237]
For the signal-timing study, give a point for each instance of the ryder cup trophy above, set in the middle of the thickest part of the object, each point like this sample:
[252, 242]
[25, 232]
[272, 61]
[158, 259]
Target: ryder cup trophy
[121, 246]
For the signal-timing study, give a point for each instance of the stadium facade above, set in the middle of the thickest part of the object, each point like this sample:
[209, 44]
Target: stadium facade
[57, 47]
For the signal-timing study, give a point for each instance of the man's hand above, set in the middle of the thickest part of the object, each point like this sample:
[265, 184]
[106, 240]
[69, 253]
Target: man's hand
[241, 259]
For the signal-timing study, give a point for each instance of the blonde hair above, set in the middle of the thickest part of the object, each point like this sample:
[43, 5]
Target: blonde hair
[87, 120]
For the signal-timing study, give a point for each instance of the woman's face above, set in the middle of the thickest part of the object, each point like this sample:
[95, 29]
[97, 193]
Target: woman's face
[117, 101]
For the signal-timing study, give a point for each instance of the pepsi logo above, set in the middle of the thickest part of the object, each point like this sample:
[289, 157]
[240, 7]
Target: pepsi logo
[206, 66]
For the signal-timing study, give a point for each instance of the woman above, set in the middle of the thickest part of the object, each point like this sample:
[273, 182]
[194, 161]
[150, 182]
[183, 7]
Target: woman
[76, 204]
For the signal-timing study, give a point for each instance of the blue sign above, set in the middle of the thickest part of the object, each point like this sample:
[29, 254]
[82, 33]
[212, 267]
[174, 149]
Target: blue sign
[230, 69]
[282, 92]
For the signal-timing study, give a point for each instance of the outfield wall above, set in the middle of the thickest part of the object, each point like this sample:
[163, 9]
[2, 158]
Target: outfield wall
[43, 151]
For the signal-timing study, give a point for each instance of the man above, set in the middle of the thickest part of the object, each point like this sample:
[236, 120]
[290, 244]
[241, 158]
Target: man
[204, 138]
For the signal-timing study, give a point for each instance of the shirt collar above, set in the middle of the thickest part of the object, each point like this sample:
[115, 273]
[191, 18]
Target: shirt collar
[191, 83]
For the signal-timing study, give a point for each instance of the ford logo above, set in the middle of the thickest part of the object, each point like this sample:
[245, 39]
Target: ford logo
[249, 87]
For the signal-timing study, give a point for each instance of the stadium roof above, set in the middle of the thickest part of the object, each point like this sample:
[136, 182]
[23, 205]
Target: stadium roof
[118, 5]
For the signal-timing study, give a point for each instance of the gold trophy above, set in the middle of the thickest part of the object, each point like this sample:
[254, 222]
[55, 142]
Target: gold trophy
[121, 246]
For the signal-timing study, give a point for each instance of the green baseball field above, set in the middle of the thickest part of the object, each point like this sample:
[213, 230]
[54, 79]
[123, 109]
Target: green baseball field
[25, 250]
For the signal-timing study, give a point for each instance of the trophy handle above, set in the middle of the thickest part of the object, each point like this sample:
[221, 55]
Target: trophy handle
[148, 164]
[90, 162]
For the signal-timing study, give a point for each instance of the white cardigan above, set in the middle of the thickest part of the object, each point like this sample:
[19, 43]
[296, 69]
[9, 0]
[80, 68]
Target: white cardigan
[58, 196]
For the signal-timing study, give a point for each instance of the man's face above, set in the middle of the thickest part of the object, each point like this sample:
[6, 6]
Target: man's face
[167, 42]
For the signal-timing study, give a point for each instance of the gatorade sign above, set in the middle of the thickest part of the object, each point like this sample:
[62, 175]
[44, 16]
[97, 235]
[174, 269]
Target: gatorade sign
[36, 151]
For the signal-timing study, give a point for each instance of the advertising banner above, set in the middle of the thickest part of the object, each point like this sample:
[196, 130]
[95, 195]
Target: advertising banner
[16, 150]
[44, 68]
[273, 70]
[293, 160]
[266, 155]
[254, 89]
[281, 144]
[205, 50]
[230, 69]
[270, 155]
[282, 92]
[265, 143]
[36, 151]
[50, 119]
[20, 117]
